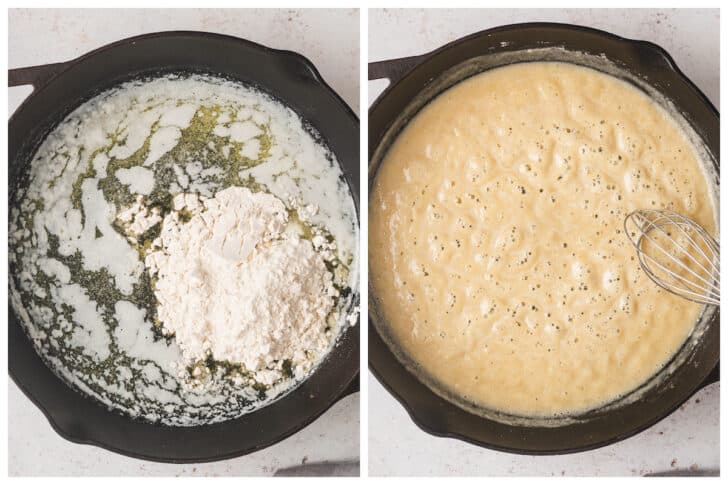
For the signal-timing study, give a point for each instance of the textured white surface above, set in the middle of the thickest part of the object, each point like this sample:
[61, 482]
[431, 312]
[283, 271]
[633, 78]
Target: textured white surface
[686, 440]
[333, 437]
[690, 36]
[330, 39]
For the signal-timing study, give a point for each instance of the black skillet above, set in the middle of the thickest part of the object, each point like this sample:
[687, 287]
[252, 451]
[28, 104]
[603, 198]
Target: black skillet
[60, 88]
[416, 80]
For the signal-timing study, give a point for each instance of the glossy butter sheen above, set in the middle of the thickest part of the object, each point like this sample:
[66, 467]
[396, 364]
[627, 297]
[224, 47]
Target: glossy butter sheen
[496, 246]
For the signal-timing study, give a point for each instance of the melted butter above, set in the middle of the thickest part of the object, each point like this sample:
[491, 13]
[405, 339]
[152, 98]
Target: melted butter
[496, 246]
[78, 281]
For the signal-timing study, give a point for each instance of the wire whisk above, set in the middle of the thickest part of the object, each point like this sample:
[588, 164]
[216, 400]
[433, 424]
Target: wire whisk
[677, 253]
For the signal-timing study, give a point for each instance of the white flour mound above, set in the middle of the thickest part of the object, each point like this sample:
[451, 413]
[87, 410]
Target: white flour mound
[233, 283]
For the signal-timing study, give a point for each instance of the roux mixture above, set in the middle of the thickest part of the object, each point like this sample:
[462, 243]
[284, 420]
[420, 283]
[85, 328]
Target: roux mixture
[496, 245]
[112, 273]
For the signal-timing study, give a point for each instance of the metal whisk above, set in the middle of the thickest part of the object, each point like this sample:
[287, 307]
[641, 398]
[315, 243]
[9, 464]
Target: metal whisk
[677, 253]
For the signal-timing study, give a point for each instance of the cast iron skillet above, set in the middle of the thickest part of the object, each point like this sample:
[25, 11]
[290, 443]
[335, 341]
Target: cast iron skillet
[415, 80]
[60, 88]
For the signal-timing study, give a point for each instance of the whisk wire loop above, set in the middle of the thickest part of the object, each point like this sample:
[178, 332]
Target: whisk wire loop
[692, 265]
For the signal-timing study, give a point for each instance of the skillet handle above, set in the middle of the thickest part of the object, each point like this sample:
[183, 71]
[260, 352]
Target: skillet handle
[36, 76]
[394, 69]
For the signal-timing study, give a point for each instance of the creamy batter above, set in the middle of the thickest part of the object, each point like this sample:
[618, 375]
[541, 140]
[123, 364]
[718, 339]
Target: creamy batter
[497, 254]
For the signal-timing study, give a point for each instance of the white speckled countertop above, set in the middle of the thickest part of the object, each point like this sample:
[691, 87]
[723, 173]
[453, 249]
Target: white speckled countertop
[688, 440]
[330, 39]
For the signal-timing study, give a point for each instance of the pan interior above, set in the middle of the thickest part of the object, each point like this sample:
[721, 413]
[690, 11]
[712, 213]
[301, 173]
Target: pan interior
[476, 66]
[92, 319]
